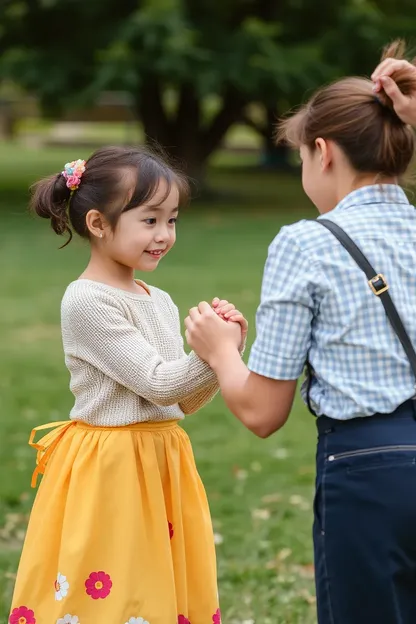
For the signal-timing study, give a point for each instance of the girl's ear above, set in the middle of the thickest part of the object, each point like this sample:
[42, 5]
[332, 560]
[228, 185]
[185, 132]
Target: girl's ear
[96, 223]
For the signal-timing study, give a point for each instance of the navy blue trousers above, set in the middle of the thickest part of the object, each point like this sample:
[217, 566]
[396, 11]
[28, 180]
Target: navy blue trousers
[365, 519]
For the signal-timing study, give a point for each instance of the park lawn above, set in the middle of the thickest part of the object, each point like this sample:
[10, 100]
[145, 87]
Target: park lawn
[260, 491]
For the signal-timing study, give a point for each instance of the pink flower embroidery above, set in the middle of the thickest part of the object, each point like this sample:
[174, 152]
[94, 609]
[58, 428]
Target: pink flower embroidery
[22, 615]
[183, 620]
[98, 585]
[216, 618]
[171, 531]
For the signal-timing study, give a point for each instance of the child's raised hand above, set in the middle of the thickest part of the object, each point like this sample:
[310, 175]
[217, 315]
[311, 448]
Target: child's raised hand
[222, 306]
[228, 312]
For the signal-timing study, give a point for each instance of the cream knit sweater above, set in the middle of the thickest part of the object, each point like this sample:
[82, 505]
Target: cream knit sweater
[126, 358]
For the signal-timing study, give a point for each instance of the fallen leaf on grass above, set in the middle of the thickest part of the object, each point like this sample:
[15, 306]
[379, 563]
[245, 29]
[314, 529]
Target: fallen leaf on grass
[280, 453]
[13, 532]
[20, 535]
[240, 474]
[286, 579]
[283, 554]
[271, 498]
[277, 562]
[305, 571]
[11, 576]
[299, 501]
[311, 600]
[260, 514]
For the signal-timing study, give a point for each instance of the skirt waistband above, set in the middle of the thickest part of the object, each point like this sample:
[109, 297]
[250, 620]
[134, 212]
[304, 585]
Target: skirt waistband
[46, 445]
[140, 426]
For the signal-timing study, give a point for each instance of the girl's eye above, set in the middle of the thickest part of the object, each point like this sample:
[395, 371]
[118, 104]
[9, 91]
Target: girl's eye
[173, 220]
[150, 221]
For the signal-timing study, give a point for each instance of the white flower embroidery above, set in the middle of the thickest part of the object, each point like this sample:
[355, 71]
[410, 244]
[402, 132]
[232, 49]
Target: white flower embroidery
[61, 587]
[68, 619]
[138, 620]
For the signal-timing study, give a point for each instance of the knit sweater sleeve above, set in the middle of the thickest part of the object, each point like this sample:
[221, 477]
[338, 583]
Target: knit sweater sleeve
[103, 336]
[199, 397]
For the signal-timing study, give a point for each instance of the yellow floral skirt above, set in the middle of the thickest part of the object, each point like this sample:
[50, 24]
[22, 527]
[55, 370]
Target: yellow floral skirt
[120, 531]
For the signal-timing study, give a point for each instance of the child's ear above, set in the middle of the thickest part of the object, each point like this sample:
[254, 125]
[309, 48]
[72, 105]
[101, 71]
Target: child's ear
[96, 223]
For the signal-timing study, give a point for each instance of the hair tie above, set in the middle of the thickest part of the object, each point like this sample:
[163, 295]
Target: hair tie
[73, 173]
[388, 110]
[379, 101]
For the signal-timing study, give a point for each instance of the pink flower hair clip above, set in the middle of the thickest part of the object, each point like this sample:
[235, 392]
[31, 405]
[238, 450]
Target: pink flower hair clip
[73, 173]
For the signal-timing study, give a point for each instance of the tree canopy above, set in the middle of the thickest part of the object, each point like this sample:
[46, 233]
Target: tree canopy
[174, 55]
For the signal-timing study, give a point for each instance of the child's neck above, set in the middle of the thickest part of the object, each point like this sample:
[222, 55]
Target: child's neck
[109, 272]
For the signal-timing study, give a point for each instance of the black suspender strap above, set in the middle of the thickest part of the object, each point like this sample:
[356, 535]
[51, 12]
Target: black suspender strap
[379, 286]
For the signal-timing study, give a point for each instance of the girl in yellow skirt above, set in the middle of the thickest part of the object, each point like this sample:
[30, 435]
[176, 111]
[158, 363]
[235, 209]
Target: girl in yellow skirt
[120, 531]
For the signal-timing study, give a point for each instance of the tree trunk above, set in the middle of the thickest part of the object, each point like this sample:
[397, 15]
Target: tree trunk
[184, 136]
[274, 156]
[7, 121]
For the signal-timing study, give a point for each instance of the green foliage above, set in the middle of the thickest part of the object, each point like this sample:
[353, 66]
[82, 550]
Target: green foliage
[238, 51]
[64, 49]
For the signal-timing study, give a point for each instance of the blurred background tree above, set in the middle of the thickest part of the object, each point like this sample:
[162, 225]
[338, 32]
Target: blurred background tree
[193, 68]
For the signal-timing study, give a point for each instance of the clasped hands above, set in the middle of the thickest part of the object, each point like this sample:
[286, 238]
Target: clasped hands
[211, 330]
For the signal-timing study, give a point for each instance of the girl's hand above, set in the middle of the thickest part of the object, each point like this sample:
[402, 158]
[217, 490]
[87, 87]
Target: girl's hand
[228, 312]
[210, 336]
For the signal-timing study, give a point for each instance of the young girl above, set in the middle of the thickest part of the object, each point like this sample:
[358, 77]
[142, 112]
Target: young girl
[318, 306]
[120, 531]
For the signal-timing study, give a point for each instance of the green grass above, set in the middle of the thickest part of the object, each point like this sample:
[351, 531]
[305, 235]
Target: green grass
[260, 490]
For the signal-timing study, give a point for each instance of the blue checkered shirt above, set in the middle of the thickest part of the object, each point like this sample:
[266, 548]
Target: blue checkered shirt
[316, 304]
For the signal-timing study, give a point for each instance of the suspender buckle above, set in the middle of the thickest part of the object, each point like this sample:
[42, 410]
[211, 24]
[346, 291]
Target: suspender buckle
[378, 284]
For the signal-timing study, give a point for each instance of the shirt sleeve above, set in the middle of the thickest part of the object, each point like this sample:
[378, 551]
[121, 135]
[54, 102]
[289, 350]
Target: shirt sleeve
[200, 397]
[284, 317]
[105, 338]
